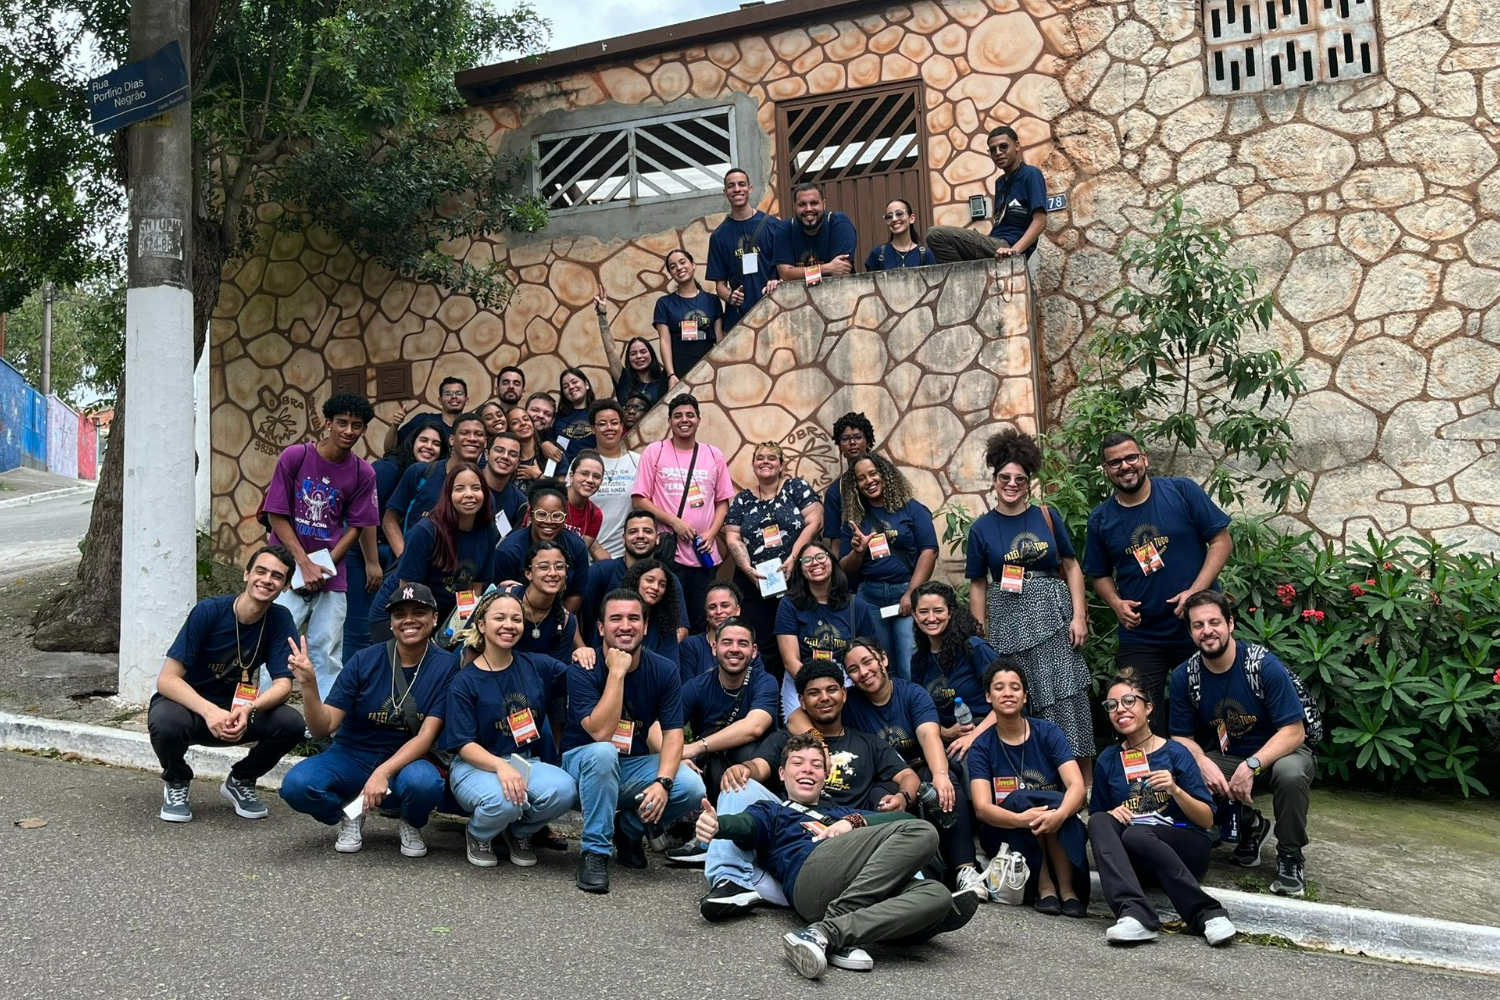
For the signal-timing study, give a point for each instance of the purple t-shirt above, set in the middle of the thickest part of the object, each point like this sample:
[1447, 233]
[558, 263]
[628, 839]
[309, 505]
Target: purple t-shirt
[322, 499]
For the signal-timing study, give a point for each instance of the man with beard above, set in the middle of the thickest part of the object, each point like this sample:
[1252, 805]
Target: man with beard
[510, 386]
[864, 773]
[639, 541]
[422, 483]
[696, 653]
[816, 243]
[740, 250]
[856, 875]
[1151, 546]
[622, 784]
[1243, 703]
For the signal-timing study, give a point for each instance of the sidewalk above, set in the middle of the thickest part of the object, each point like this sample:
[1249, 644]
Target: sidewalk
[21, 486]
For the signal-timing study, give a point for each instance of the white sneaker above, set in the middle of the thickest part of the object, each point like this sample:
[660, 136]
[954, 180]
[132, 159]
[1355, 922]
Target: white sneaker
[351, 835]
[1217, 931]
[1128, 930]
[971, 879]
[521, 853]
[852, 959]
[412, 844]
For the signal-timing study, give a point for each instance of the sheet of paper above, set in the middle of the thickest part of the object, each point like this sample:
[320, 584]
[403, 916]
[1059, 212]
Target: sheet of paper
[890, 611]
[319, 557]
[356, 807]
[774, 581]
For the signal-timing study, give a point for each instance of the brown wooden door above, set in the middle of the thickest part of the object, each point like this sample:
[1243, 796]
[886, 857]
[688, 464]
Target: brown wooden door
[865, 147]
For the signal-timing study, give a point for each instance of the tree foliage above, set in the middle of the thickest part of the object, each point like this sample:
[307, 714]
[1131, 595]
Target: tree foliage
[88, 343]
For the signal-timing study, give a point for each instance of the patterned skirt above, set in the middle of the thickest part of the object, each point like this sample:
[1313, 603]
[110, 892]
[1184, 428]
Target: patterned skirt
[1032, 627]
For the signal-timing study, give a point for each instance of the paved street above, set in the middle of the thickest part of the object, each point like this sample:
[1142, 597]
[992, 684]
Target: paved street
[36, 536]
[107, 901]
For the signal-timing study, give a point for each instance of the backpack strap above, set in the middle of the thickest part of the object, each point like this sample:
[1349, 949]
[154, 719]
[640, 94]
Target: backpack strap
[1255, 658]
[1195, 679]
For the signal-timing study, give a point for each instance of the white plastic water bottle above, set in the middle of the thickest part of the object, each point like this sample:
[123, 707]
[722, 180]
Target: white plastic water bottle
[961, 713]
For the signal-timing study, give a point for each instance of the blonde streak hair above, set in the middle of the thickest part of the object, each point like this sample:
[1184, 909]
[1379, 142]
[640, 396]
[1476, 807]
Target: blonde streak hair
[469, 635]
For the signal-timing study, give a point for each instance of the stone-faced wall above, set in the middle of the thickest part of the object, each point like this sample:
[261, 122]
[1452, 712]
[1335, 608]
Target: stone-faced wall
[1369, 207]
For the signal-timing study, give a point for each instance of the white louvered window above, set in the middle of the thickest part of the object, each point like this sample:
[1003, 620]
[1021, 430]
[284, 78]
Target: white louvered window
[635, 162]
[1259, 45]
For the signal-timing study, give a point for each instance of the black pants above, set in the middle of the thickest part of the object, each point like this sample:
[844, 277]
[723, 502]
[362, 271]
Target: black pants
[957, 841]
[1172, 857]
[1153, 665]
[760, 612]
[695, 582]
[175, 727]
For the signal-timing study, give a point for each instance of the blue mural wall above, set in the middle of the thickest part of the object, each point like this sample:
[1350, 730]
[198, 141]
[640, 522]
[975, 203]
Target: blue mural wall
[23, 422]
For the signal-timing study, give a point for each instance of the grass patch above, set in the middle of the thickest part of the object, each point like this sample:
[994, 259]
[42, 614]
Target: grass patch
[1270, 941]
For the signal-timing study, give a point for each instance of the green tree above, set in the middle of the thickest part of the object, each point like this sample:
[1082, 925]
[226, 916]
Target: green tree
[88, 342]
[341, 113]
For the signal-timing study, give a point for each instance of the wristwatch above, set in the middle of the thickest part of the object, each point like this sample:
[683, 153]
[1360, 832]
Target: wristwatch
[1253, 763]
[665, 783]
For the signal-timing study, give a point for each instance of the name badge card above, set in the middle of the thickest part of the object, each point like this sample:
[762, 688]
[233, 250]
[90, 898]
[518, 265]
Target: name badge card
[750, 262]
[502, 523]
[1148, 558]
[1012, 579]
[464, 602]
[624, 737]
[770, 536]
[695, 496]
[689, 330]
[1223, 731]
[890, 611]
[813, 827]
[880, 548]
[813, 273]
[823, 654]
[1003, 787]
[1135, 764]
[244, 694]
[522, 727]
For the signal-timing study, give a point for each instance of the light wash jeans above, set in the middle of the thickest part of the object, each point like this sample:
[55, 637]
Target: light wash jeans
[321, 616]
[549, 794]
[726, 859]
[895, 634]
[321, 786]
[608, 783]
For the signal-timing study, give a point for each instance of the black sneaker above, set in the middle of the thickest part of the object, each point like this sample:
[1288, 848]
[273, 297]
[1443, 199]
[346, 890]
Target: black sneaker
[689, 855]
[629, 851]
[593, 872]
[1254, 829]
[965, 903]
[728, 899]
[1291, 875]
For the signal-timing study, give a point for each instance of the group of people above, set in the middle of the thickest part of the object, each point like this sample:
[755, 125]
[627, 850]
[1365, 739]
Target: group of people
[511, 615]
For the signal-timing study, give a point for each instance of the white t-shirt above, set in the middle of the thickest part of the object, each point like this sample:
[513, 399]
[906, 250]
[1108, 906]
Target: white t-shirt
[614, 500]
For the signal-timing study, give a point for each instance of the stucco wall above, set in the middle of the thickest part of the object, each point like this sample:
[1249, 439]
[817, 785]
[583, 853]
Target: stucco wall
[1368, 206]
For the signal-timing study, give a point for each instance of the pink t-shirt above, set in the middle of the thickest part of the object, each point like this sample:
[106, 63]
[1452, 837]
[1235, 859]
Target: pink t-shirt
[662, 477]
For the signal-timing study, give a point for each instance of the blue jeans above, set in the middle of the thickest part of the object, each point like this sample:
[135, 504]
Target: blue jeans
[726, 859]
[321, 786]
[321, 616]
[895, 634]
[549, 794]
[608, 783]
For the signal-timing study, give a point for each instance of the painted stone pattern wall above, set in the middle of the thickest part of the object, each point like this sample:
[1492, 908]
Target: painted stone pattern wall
[1368, 206]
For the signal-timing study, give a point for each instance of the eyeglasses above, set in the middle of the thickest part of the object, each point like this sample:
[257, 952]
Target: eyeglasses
[1020, 480]
[1124, 701]
[549, 516]
[851, 438]
[815, 559]
[894, 215]
[1123, 460]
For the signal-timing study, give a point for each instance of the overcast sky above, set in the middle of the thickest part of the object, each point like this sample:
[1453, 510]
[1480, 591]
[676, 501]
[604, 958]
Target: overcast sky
[591, 21]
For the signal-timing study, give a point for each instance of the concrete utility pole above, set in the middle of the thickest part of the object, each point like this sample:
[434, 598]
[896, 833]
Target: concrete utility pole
[157, 566]
[49, 294]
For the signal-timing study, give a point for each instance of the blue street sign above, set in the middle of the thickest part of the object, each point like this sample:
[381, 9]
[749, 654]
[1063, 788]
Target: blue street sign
[138, 90]
[1057, 202]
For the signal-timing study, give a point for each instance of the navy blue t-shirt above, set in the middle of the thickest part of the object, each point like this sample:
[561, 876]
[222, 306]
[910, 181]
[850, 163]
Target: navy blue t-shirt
[834, 237]
[604, 576]
[965, 680]
[908, 532]
[387, 475]
[1111, 789]
[480, 703]
[1034, 764]
[417, 492]
[860, 765]
[653, 693]
[1227, 700]
[574, 427]
[364, 691]
[833, 509]
[511, 502]
[211, 655]
[663, 642]
[1018, 195]
[553, 636]
[474, 550]
[783, 841]
[511, 553]
[704, 308]
[418, 421]
[887, 258]
[823, 633]
[627, 384]
[727, 247]
[1177, 518]
[1021, 539]
[897, 720]
[708, 708]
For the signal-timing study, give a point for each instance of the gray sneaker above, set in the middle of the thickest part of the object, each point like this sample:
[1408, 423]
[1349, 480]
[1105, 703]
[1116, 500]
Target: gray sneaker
[174, 803]
[522, 855]
[242, 796]
[481, 853]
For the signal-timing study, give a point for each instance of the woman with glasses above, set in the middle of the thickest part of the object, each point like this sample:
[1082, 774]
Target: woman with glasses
[550, 629]
[547, 518]
[1026, 591]
[773, 518]
[1149, 821]
[902, 250]
[585, 519]
[817, 619]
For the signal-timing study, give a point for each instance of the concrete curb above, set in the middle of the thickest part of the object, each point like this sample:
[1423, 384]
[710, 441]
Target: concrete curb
[1352, 930]
[58, 494]
[1348, 929]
